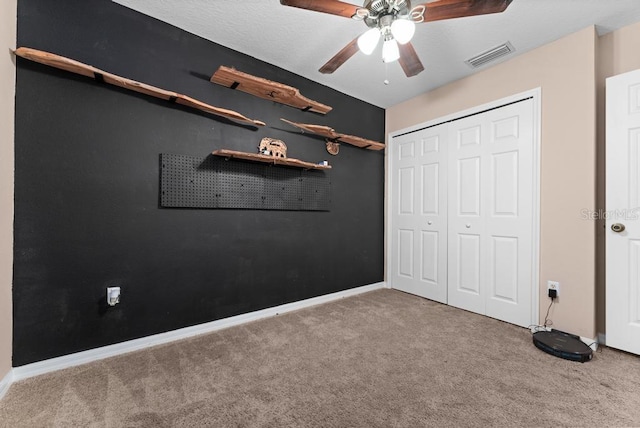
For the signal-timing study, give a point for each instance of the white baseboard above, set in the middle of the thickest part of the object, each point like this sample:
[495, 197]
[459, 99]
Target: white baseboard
[592, 343]
[84, 357]
[5, 383]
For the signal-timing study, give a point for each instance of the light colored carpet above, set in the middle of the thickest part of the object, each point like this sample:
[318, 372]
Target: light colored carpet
[382, 359]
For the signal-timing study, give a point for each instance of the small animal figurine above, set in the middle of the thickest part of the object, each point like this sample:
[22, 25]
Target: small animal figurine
[273, 147]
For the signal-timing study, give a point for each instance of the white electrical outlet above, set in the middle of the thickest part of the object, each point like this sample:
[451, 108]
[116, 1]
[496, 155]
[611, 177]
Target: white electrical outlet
[113, 296]
[554, 285]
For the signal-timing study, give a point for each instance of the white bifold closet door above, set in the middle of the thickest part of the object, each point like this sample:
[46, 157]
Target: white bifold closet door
[419, 198]
[491, 213]
[462, 204]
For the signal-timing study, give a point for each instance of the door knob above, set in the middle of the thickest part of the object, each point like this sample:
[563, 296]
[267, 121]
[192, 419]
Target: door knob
[429, 222]
[468, 225]
[617, 227]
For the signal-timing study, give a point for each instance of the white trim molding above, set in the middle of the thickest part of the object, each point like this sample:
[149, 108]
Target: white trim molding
[5, 383]
[591, 343]
[84, 357]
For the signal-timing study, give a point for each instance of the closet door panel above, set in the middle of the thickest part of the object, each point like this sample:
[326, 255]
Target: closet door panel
[491, 198]
[419, 217]
[466, 228]
[509, 218]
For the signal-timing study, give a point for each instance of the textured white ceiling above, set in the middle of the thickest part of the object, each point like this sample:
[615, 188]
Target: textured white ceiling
[301, 41]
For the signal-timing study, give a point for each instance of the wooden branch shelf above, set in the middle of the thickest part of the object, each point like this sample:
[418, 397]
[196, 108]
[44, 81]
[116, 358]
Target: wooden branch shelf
[77, 67]
[268, 159]
[331, 135]
[266, 89]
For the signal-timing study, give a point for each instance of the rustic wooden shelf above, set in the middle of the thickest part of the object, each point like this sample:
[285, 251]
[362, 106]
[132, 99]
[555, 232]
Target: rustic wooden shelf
[332, 136]
[268, 159]
[77, 67]
[266, 89]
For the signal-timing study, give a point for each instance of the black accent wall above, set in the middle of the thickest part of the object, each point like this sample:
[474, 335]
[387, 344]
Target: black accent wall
[87, 212]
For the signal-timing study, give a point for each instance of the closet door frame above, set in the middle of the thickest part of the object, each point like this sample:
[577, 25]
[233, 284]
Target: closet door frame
[536, 96]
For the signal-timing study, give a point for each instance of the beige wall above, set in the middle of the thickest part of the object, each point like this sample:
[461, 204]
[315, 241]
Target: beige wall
[565, 70]
[618, 52]
[7, 94]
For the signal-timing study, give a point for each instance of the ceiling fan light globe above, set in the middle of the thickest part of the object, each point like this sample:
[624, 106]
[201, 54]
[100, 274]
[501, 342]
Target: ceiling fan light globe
[390, 51]
[403, 30]
[368, 41]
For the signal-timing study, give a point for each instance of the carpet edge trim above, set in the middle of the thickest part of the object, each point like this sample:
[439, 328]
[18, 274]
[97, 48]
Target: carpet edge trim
[96, 354]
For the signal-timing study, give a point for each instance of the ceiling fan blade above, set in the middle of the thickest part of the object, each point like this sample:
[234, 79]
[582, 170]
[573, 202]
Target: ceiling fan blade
[333, 7]
[409, 60]
[340, 58]
[449, 9]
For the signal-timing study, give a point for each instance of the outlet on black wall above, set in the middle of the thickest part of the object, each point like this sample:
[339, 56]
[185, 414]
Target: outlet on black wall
[87, 215]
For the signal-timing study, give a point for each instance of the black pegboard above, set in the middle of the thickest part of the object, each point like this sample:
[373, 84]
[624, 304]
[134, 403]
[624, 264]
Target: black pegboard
[212, 182]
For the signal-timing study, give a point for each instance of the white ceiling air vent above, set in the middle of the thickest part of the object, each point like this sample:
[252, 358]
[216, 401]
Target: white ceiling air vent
[490, 55]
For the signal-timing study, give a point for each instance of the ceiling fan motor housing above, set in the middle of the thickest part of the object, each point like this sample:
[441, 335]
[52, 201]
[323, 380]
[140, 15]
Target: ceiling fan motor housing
[379, 9]
[378, 6]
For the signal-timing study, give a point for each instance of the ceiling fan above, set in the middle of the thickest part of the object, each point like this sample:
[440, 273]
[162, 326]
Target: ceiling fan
[393, 22]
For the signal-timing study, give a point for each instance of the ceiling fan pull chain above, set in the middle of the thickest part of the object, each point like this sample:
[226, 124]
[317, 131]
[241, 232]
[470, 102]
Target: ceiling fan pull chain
[386, 73]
